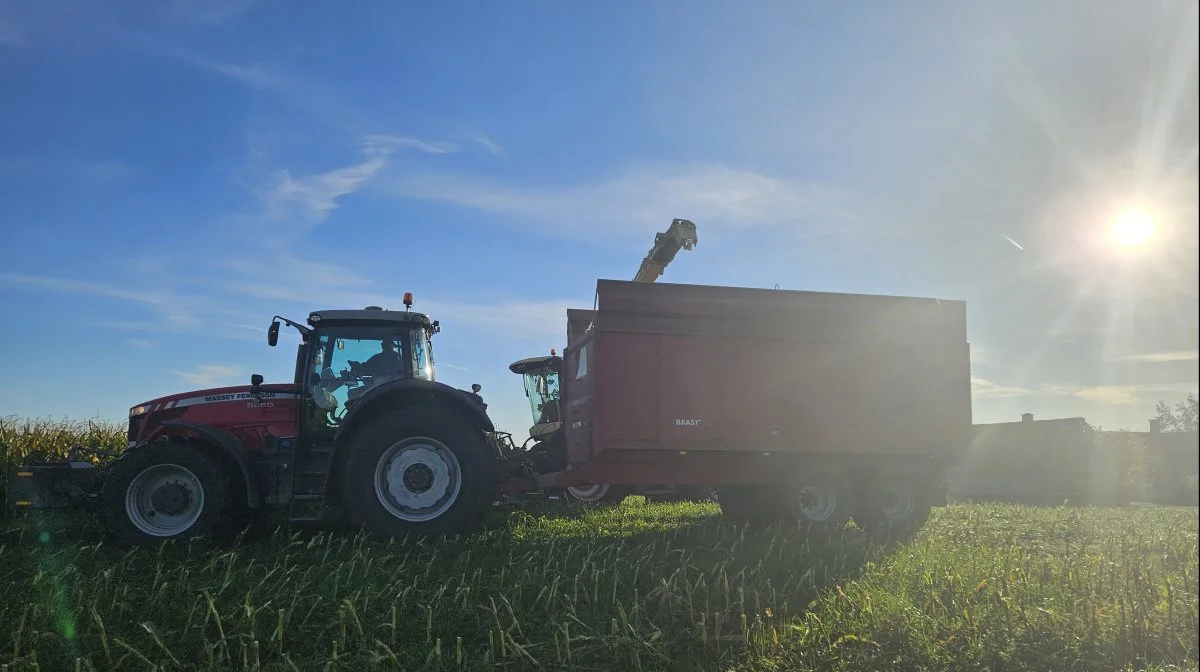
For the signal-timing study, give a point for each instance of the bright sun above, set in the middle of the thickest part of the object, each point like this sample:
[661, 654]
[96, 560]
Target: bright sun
[1132, 229]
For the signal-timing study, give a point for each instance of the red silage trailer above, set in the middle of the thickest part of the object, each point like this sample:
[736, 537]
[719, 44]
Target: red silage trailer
[791, 404]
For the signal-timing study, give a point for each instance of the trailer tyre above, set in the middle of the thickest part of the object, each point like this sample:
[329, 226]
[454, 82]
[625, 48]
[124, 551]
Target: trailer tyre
[160, 491]
[896, 504]
[418, 471]
[599, 493]
[822, 497]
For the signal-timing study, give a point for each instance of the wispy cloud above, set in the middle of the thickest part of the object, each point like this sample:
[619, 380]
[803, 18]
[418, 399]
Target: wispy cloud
[538, 319]
[1102, 394]
[307, 200]
[512, 317]
[727, 199]
[1161, 357]
[1121, 394]
[986, 389]
[141, 343]
[210, 374]
[255, 76]
[311, 284]
[376, 144]
[82, 287]
[168, 308]
[484, 143]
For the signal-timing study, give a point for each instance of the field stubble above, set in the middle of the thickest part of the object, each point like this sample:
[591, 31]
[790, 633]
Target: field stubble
[639, 587]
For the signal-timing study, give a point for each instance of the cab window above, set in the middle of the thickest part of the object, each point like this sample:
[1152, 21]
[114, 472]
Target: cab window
[422, 355]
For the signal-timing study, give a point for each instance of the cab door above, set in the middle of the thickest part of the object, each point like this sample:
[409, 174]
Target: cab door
[578, 383]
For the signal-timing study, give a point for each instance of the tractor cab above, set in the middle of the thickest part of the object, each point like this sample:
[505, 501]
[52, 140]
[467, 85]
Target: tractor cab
[344, 354]
[541, 378]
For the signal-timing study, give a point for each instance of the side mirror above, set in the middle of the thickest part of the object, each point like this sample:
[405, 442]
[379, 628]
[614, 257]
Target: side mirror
[273, 334]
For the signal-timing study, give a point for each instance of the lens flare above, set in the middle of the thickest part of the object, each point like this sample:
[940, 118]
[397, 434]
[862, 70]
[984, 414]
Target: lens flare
[1133, 229]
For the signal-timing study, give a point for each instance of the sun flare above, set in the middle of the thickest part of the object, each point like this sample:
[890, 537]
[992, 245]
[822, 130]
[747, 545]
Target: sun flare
[1133, 229]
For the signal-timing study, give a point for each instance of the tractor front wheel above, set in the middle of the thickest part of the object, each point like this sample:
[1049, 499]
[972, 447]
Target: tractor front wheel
[160, 491]
[418, 471]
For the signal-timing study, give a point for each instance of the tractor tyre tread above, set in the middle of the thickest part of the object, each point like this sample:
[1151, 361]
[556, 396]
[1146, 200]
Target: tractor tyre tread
[465, 516]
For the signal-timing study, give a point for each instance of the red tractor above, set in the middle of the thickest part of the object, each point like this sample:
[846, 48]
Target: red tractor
[364, 429]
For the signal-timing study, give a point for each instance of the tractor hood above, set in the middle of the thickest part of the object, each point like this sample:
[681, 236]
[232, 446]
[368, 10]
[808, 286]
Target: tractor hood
[211, 396]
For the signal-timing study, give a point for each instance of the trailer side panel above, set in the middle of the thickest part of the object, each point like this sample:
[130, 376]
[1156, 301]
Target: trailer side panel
[692, 368]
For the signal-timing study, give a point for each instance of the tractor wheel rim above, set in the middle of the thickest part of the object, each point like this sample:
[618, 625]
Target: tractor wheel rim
[899, 502]
[164, 500]
[417, 479]
[817, 503]
[589, 493]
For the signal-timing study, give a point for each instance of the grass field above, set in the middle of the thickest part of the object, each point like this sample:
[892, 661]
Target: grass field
[639, 587]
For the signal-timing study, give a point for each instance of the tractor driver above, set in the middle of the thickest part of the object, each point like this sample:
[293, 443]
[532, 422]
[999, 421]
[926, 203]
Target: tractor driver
[386, 362]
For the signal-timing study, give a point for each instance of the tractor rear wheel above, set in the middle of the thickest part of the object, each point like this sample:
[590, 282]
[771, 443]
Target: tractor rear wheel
[160, 491]
[418, 470]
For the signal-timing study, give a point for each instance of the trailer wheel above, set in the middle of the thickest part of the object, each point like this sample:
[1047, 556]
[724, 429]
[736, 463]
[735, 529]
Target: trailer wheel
[897, 503]
[822, 497]
[597, 493]
[419, 471]
[160, 491]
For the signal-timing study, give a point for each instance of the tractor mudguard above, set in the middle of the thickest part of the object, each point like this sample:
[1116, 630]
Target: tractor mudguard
[231, 447]
[472, 404]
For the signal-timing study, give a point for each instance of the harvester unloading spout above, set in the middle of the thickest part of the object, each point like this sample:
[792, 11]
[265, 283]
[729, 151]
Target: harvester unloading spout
[681, 235]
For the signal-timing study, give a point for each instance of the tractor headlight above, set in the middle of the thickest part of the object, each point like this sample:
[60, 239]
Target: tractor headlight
[138, 410]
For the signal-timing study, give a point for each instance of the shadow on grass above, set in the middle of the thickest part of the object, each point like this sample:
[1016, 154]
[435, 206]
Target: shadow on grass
[649, 586]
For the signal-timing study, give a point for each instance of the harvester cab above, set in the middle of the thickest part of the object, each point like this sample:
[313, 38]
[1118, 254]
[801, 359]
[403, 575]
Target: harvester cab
[541, 378]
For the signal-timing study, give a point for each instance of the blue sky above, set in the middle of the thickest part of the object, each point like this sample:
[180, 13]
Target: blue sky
[175, 173]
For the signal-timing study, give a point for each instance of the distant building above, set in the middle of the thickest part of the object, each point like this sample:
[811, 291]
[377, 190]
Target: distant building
[1047, 462]
[1039, 462]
